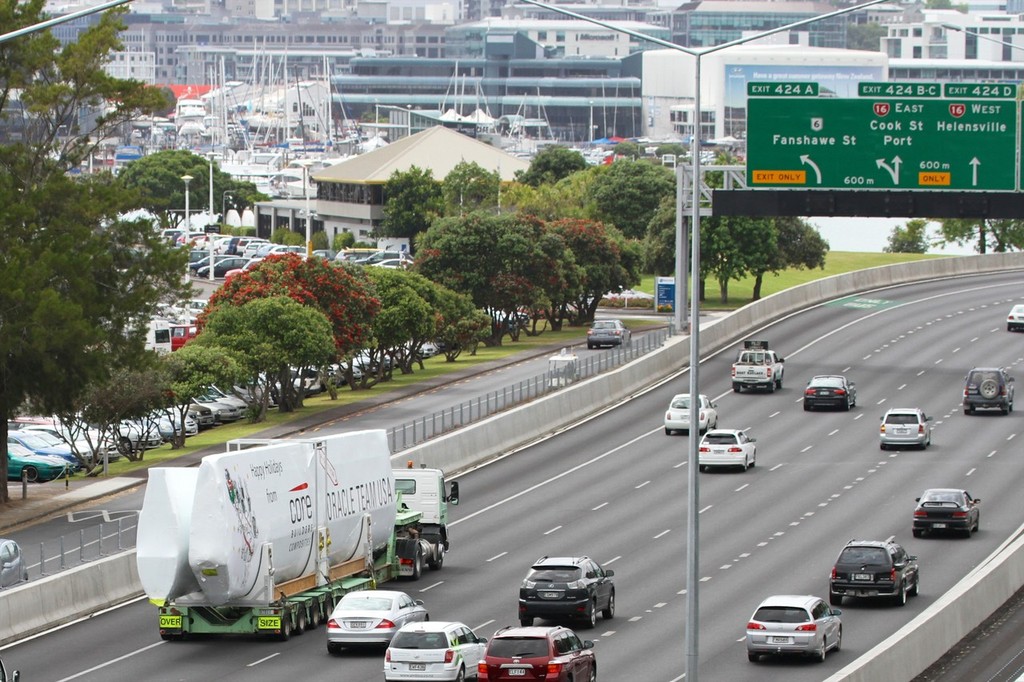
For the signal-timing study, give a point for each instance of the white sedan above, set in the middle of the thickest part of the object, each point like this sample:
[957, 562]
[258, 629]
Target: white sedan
[727, 448]
[371, 617]
[1015, 319]
[677, 416]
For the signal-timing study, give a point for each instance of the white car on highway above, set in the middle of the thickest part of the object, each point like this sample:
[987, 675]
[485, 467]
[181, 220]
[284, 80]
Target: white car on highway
[727, 448]
[903, 426]
[677, 416]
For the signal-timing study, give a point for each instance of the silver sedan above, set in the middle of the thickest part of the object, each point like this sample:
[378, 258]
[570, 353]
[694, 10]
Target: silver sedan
[371, 617]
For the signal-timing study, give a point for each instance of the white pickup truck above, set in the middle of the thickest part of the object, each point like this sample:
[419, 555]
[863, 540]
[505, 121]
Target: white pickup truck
[757, 366]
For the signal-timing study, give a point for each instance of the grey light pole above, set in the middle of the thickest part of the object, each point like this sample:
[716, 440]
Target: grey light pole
[186, 179]
[209, 235]
[693, 493]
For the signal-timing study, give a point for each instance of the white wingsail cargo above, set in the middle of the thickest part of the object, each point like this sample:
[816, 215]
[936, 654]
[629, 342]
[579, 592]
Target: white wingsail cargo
[267, 515]
[164, 525]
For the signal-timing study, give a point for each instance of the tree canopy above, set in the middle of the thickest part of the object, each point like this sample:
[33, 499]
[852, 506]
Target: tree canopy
[550, 165]
[78, 284]
[909, 238]
[628, 193]
[413, 199]
[470, 187]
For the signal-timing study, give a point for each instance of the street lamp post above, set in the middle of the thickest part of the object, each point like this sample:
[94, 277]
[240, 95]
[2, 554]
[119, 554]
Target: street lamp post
[309, 216]
[186, 179]
[693, 493]
[209, 235]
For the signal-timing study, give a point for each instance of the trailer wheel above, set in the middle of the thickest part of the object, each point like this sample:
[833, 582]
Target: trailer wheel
[417, 564]
[328, 608]
[286, 628]
[314, 616]
[436, 564]
[300, 620]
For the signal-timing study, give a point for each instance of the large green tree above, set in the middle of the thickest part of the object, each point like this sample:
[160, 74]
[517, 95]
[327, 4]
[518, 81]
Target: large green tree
[191, 371]
[628, 194]
[77, 283]
[470, 187]
[798, 245]
[606, 262]
[550, 165]
[158, 180]
[271, 337]
[413, 199]
[986, 236]
[909, 238]
[404, 323]
[499, 261]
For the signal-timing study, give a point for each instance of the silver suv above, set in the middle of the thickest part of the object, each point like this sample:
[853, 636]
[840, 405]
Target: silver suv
[988, 387]
[903, 426]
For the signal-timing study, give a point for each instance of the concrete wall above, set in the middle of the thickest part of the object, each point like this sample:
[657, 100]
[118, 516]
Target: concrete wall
[58, 599]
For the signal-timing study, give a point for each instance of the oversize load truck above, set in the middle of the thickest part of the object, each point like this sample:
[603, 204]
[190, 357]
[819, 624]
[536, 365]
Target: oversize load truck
[265, 538]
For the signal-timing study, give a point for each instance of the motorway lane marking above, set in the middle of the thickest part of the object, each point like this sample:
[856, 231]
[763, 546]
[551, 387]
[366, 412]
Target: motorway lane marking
[956, 350]
[603, 504]
[774, 414]
[938, 362]
[991, 453]
[833, 432]
[101, 666]
[806, 449]
[973, 469]
[662, 534]
[705, 508]
[902, 386]
[681, 464]
[637, 487]
[612, 560]
[496, 556]
[556, 477]
[1010, 437]
[549, 532]
[481, 626]
[430, 587]
[262, 660]
[858, 416]
[745, 485]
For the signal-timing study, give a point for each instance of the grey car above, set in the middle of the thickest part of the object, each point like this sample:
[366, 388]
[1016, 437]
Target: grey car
[798, 624]
[371, 617]
[905, 426]
[608, 333]
[12, 564]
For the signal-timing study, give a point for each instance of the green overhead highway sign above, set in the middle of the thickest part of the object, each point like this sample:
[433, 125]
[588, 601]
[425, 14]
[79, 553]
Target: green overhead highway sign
[965, 143]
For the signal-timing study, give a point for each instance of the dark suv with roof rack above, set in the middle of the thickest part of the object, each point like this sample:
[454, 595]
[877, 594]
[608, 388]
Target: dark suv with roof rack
[874, 568]
[567, 587]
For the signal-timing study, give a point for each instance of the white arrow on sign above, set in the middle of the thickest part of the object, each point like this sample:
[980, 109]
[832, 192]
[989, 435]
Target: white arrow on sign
[894, 170]
[974, 171]
[806, 160]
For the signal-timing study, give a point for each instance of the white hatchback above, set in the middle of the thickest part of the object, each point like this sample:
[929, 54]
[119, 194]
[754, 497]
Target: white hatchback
[677, 416]
[798, 624]
[434, 650]
[727, 448]
[1015, 318]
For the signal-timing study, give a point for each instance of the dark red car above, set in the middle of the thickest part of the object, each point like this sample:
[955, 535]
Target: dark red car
[552, 654]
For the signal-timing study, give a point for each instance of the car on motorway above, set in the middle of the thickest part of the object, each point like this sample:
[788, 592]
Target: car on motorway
[798, 624]
[903, 426]
[677, 416]
[988, 388]
[434, 650]
[572, 587]
[12, 564]
[371, 617]
[830, 390]
[553, 654]
[726, 448]
[608, 333]
[37, 468]
[7, 675]
[1015, 318]
[874, 569]
[947, 509]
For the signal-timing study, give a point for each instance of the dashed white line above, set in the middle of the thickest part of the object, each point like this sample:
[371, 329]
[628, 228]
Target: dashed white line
[262, 660]
[990, 454]
[613, 560]
[705, 508]
[920, 373]
[662, 534]
[807, 448]
[637, 487]
[776, 467]
[971, 471]
[496, 556]
[430, 587]
[901, 387]
[833, 432]
[741, 487]
[549, 532]
[603, 504]
[774, 414]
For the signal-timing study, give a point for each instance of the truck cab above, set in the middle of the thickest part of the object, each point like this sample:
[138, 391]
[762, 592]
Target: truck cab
[425, 491]
[757, 366]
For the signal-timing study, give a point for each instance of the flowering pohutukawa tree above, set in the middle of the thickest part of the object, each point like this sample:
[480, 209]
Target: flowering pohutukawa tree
[342, 294]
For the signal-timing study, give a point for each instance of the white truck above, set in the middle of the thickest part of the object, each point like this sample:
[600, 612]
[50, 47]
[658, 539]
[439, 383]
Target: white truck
[265, 538]
[757, 366]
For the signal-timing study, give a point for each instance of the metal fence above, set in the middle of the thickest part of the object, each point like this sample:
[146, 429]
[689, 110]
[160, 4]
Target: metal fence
[74, 549]
[559, 375]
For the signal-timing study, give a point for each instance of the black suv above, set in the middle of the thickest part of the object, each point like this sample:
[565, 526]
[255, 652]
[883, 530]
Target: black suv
[988, 387]
[872, 568]
[566, 587]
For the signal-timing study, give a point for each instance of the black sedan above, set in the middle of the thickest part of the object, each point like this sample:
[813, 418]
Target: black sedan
[830, 390]
[222, 266]
[947, 509]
